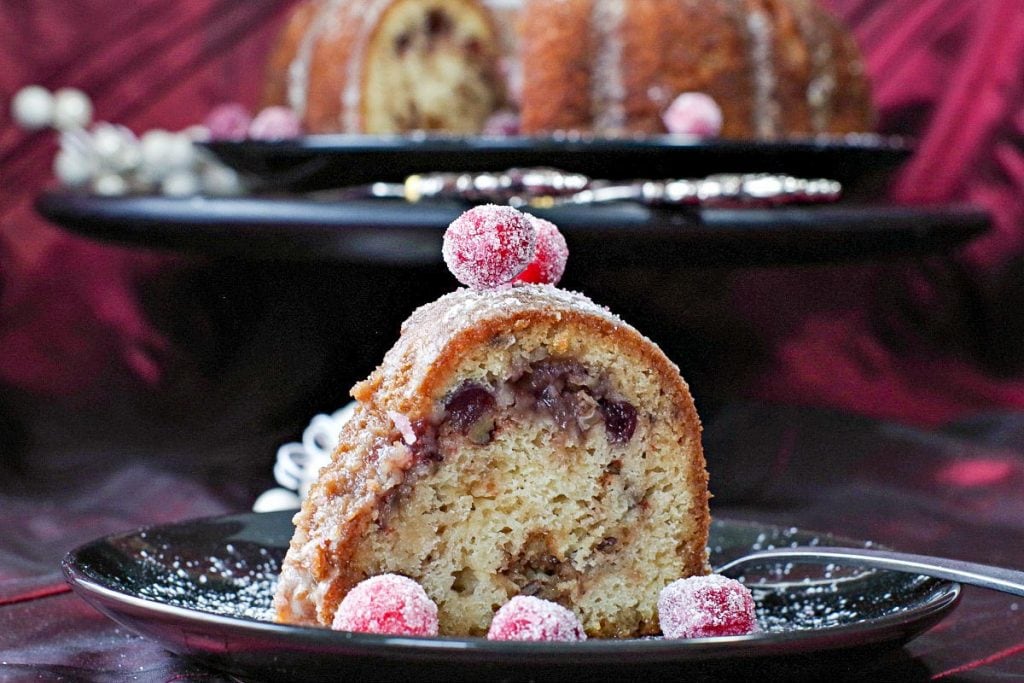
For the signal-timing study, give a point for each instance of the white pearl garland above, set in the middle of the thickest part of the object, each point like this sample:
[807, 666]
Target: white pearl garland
[73, 169]
[111, 161]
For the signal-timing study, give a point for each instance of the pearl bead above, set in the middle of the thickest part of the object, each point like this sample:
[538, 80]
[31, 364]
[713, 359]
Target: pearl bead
[180, 184]
[116, 146]
[154, 148]
[180, 151]
[32, 107]
[72, 108]
[276, 499]
[221, 181]
[197, 133]
[110, 185]
[72, 168]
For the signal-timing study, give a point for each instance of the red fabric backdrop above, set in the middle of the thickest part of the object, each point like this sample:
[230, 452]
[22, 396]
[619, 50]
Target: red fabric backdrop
[941, 338]
[924, 345]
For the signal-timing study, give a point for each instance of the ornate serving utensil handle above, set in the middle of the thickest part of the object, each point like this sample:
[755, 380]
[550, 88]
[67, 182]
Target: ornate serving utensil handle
[546, 187]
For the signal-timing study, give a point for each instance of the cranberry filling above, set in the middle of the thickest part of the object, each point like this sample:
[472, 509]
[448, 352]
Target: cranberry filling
[562, 388]
[438, 23]
[467, 406]
[619, 420]
[403, 43]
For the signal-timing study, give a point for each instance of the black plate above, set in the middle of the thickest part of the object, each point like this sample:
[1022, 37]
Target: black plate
[860, 162]
[203, 589]
[395, 233]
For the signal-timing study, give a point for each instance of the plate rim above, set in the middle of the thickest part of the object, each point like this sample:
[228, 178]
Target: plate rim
[325, 161]
[564, 142]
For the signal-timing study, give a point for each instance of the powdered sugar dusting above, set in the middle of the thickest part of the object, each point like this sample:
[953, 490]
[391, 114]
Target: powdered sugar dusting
[432, 326]
[526, 617]
[234, 581]
[702, 606]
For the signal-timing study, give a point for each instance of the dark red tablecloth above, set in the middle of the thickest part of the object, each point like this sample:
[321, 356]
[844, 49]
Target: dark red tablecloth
[956, 492]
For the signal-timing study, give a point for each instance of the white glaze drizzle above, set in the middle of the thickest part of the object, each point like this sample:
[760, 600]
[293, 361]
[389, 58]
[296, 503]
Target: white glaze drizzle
[607, 88]
[766, 105]
[821, 86]
[299, 68]
[351, 118]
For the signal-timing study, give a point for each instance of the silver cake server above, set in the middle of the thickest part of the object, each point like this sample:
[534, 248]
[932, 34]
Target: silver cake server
[546, 187]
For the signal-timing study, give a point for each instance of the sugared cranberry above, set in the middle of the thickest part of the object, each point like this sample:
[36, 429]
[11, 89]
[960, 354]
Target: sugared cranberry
[229, 121]
[619, 420]
[388, 604]
[549, 259]
[489, 245]
[502, 124]
[694, 113]
[275, 123]
[467, 406]
[526, 617]
[703, 606]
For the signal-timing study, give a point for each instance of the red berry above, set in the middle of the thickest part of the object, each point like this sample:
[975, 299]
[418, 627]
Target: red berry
[275, 123]
[526, 617]
[228, 121]
[549, 258]
[389, 604]
[502, 124]
[489, 245]
[694, 113]
[703, 606]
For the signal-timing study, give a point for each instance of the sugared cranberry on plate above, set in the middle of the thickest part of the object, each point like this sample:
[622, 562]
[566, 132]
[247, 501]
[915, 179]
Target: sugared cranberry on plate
[703, 606]
[388, 604]
[526, 617]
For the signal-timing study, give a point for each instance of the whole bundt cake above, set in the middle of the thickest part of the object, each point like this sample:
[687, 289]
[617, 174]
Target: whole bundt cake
[387, 66]
[775, 67]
